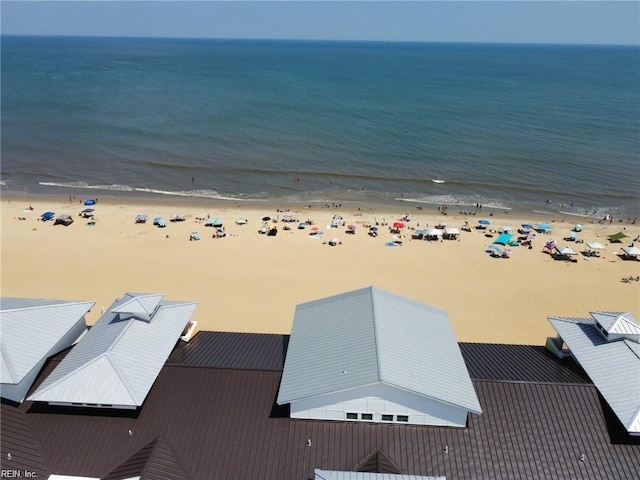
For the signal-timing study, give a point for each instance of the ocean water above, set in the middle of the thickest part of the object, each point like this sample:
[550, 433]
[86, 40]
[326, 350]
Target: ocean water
[537, 129]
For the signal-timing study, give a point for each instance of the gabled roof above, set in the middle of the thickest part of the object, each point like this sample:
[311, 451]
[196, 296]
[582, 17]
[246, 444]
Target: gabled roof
[621, 323]
[339, 475]
[613, 366]
[369, 336]
[377, 462]
[155, 460]
[140, 306]
[30, 329]
[118, 360]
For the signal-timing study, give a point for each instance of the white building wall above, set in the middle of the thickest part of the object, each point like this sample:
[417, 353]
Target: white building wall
[17, 392]
[377, 400]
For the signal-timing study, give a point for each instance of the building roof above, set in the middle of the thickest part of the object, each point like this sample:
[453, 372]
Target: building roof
[118, 360]
[368, 336]
[222, 422]
[613, 366]
[335, 475]
[31, 328]
[154, 460]
[620, 323]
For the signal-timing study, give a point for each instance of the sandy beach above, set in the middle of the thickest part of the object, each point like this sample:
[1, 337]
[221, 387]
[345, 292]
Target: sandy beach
[251, 282]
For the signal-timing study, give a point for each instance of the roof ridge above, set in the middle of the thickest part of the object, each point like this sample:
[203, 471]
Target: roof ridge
[53, 305]
[6, 359]
[40, 390]
[90, 362]
[634, 418]
[121, 376]
[626, 342]
[375, 333]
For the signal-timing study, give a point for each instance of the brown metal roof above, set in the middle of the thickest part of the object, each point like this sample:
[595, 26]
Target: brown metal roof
[222, 423]
[519, 363]
[155, 460]
[232, 350]
[21, 450]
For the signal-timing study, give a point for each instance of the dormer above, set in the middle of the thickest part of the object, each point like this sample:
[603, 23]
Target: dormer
[617, 325]
[141, 307]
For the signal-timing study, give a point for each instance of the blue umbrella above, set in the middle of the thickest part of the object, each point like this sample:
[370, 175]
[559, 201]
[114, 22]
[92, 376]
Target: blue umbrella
[484, 222]
[47, 215]
[527, 225]
[492, 249]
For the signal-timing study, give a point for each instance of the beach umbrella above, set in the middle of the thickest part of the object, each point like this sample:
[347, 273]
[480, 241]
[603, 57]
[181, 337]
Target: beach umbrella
[47, 216]
[373, 229]
[89, 202]
[493, 249]
[266, 219]
[88, 210]
[595, 246]
[398, 225]
[484, 222]
[528, 226]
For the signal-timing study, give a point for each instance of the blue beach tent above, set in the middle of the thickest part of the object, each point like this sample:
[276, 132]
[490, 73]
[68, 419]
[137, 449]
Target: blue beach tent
[503, 239]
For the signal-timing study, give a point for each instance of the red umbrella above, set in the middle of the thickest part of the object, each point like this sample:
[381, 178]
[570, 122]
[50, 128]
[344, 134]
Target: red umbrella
[398, 225]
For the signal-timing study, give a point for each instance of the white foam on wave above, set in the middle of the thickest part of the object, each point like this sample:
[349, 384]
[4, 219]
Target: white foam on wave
[197, 194]
[121, 188]
[451, 200]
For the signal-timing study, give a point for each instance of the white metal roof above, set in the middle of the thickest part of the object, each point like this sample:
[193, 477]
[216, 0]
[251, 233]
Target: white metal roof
[30, 328]
[369, 336]
[118, 360]
[613, 366]
[341, 475]
[622, 323]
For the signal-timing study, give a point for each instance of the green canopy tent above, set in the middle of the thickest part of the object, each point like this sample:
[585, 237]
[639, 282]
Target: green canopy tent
[617, 237]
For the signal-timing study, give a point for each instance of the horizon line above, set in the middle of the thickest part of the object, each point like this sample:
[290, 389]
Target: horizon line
[318, 40]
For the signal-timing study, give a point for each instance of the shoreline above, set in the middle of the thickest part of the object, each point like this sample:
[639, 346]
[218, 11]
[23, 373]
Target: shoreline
[249, 282]
[397, 205]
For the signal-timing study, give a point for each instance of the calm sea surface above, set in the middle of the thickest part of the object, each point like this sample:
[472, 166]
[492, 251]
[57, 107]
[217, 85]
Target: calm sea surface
[505, 126]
